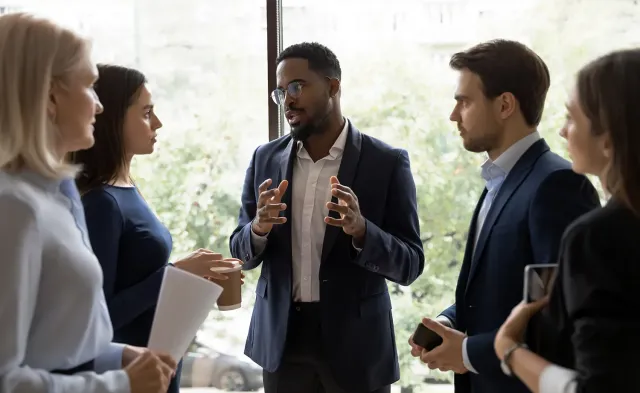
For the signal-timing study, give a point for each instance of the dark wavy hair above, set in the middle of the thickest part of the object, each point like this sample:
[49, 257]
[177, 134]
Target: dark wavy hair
[117, 88]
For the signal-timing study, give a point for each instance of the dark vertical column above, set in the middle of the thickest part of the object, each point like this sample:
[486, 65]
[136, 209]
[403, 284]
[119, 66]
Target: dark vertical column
[274, 46]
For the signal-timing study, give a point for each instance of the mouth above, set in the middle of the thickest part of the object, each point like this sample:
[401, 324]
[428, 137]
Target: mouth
[293, 117]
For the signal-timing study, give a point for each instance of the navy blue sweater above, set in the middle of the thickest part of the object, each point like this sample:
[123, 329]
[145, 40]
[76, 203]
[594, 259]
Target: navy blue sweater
[133, 247]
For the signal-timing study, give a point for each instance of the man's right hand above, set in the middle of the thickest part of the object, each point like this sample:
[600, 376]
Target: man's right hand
[150, 373]
[269, 207]
[417, 350]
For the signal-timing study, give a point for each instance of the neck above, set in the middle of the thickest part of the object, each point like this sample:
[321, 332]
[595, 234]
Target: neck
[510, 136]
[318, 145]
[124, 177]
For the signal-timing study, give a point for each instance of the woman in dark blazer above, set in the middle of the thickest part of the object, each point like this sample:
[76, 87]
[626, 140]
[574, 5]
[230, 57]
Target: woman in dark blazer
[131, 243]
[589, 327]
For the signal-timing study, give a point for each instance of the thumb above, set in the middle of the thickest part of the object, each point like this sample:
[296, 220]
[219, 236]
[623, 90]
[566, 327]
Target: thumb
[436, 327]
[334, 180]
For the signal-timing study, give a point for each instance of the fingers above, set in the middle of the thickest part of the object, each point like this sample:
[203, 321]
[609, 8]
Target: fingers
[263, 187]
[335, 222]
[272, 208]
[213, 276]
[167, 359]
[274, 194]
[334, 180]
[342, 209]
[268, 195]
[343, 195]
[437, 327]
[282, 187]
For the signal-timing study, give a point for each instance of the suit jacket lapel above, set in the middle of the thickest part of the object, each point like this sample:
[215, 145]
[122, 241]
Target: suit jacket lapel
[515, 177]
[346, 175]
[286, 172]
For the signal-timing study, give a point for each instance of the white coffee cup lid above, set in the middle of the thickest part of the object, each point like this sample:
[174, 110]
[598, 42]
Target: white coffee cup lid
[223, 269]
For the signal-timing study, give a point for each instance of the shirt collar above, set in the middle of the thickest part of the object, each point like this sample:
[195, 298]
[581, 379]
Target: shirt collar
[508, 159]
[48, 184]
[338, 146]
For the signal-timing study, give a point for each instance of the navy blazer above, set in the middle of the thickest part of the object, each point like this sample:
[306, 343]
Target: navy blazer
[538, 200]
[357, 325]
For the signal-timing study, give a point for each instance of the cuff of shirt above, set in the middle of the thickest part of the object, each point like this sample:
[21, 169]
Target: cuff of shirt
[465, 357]
[111, 359]
[556, 379]
[358, 249]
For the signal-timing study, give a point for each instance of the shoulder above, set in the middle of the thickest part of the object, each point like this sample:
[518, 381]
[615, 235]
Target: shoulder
[555, 174]
[612, 227]
[19, 198]
[100, 199]
[381, 149]
[274, 146]
[24, 208]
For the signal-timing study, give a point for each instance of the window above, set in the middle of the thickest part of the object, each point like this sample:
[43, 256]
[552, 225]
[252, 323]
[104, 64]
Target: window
[397, 86]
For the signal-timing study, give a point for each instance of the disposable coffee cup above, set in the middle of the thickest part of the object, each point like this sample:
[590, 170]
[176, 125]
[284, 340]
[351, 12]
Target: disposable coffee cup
[231, 297]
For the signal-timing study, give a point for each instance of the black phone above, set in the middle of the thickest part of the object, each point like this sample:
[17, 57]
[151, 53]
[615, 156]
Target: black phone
[426, 338]
[538, 281]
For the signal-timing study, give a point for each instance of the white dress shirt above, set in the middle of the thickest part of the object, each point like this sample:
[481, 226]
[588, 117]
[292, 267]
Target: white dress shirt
[53, 315]
[311, 192]
[494, 173]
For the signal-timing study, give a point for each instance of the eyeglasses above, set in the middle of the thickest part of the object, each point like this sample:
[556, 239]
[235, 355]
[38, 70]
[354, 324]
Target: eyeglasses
[294, 89]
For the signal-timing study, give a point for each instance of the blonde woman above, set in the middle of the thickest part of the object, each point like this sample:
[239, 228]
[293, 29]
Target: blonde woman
[53, 317]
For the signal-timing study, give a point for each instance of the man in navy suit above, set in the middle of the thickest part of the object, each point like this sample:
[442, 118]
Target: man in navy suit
[531, 196]
[331, 215]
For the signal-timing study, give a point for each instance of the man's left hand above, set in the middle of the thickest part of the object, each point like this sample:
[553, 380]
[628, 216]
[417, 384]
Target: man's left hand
[351, 220]
[448, 355]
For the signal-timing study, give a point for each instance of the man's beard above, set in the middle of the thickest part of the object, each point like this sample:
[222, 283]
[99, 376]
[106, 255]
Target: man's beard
[316, 126]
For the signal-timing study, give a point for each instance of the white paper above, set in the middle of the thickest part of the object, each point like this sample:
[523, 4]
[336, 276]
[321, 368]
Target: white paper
[185, 301]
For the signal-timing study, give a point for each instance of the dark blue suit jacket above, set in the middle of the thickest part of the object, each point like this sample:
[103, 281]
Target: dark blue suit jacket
[357, 325]
[538, 200]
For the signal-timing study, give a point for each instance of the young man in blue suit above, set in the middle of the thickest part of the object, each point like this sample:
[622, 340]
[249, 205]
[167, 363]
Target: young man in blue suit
[531, 196]
[330, 214]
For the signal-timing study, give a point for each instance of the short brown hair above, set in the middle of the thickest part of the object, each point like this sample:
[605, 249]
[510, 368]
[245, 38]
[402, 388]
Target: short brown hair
[508, 67]
[609, 92]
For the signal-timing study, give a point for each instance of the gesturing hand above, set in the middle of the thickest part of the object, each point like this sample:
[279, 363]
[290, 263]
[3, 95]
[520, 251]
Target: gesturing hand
[269, 207]
[351, 220]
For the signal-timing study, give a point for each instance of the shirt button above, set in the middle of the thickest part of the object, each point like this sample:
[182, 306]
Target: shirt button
[305, 278]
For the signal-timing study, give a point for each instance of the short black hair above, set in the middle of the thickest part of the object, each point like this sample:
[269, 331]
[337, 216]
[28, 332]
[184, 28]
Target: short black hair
[321, 59]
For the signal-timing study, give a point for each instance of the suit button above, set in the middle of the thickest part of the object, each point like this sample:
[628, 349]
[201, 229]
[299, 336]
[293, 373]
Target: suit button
[297, 308]
[247, 257]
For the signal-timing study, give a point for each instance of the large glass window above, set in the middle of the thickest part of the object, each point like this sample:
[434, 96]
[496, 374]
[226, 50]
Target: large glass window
[397, 86]
[207, 65]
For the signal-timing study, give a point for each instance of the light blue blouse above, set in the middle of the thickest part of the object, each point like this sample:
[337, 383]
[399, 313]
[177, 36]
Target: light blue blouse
[53, 314]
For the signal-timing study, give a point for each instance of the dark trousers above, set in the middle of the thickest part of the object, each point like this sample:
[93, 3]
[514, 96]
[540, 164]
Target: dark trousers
[304, 368]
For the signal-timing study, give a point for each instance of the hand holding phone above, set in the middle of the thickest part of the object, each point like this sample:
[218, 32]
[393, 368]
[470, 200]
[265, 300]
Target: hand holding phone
[426, 338]
[538, 281]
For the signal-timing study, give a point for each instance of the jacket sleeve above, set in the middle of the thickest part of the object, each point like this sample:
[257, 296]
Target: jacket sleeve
[394, 250]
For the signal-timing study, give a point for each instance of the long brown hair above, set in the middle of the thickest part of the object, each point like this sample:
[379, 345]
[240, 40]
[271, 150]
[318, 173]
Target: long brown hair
[118, 88]
[609, 94]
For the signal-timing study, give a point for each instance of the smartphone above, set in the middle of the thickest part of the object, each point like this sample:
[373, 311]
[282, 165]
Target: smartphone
[538, 281]
[426, 338]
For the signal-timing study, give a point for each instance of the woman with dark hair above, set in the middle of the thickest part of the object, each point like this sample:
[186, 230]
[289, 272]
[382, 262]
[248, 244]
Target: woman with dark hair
[132, 245]
[590, 327]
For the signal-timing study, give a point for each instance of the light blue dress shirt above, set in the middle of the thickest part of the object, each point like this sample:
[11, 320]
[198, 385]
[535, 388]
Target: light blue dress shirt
[53, 315]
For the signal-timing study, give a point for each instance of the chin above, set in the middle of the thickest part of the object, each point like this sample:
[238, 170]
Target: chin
[84, 144]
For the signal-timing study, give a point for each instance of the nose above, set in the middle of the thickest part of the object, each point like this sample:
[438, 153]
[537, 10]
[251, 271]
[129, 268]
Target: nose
[157, 123]
[99, 107]
[563, 132]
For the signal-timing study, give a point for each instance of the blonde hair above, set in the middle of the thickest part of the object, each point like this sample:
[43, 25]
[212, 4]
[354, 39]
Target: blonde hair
[35, 53]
